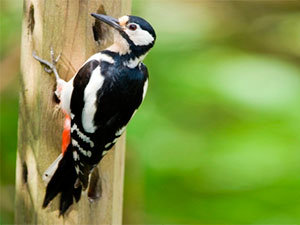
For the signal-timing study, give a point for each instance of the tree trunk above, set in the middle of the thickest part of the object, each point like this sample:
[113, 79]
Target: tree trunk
[65, 25]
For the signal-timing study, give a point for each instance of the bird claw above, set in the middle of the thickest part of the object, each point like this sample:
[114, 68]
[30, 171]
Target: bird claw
[48, 70]
[53, 60]
[50, 67]
[57, 58]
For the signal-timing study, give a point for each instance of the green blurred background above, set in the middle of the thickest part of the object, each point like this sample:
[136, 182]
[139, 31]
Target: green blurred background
[217, 139]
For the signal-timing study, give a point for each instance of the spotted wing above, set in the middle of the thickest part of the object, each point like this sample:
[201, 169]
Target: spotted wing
[96, 125]
[82, 143]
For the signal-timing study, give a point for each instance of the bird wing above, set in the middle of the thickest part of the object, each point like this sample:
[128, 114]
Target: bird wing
[104, 98]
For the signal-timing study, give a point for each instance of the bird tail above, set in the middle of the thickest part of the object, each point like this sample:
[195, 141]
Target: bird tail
[63, 181]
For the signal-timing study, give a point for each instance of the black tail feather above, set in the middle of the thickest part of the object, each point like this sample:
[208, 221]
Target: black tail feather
[63, 182]
[77, 193]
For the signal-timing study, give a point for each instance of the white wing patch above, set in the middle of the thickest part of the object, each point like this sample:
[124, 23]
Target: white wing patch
[67, 89]
[90, 93]
[90, 98]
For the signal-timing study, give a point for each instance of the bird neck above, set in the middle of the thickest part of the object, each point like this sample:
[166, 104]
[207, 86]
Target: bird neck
[131, 56]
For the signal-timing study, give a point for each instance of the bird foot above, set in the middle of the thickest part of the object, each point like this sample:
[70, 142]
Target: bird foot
[49, 66]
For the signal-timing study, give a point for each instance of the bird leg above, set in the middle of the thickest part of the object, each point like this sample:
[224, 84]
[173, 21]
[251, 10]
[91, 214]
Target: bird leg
[50, 67]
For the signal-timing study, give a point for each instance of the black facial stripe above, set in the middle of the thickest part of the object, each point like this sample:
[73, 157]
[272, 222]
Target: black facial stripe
[110, 53]
[136, 51]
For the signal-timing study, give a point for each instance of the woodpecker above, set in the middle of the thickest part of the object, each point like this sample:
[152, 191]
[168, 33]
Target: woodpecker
[98, 102]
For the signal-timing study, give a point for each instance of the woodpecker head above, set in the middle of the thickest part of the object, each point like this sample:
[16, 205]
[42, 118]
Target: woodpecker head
[133, 35]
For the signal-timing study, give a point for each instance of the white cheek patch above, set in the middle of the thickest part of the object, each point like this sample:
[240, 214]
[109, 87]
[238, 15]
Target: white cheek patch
[140, 37]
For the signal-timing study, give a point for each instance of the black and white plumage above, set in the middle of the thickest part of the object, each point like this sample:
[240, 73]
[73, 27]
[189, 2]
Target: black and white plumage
[100, 99]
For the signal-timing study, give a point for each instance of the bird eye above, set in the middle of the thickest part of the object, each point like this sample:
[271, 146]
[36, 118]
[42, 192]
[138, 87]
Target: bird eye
[132, 26]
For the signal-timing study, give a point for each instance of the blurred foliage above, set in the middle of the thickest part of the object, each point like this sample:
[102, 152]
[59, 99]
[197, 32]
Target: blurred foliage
[10, 35]
[217, 139]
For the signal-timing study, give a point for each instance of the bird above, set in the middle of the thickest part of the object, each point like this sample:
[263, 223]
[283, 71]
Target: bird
[98, 102]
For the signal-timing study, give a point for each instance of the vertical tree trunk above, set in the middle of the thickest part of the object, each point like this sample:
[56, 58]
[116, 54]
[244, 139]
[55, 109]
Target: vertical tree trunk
[67, 26]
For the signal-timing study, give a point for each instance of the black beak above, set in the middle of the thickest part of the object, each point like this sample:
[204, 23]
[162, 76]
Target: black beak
[108, 20]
